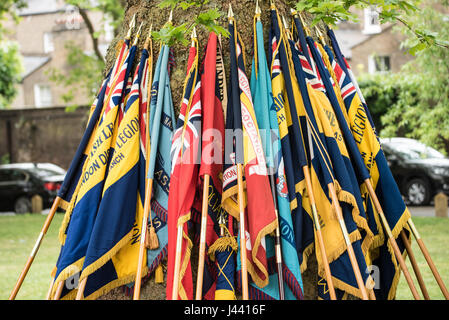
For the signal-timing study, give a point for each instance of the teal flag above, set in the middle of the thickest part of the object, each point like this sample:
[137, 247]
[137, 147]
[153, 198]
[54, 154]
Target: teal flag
[161, 123]
[267, 121]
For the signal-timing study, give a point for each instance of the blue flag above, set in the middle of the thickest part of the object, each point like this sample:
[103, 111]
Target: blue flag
[112, 253]
[267, 120]
[387, 191]
[161, 122]
[80, 216]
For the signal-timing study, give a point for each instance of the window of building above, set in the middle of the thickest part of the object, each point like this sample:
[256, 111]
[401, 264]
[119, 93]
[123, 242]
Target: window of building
[42, 95]
[48, 42]
[379, 64]
[371, 18]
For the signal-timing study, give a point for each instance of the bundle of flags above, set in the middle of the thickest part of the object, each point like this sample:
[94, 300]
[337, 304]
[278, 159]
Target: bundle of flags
[260, 172]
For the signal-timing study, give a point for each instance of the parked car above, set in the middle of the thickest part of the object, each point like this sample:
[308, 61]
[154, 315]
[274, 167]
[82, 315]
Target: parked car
[419, 170]
[19, 182]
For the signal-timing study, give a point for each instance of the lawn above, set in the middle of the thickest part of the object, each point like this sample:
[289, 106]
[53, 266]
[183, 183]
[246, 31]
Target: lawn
[18, 235]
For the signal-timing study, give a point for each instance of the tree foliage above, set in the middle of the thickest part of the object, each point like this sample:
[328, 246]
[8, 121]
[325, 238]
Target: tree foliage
[390, 11]
[10, 63]
[10, 70]
[415, 101]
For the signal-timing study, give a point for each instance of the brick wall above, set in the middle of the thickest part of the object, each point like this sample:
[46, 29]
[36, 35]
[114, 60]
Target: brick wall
[42, 135]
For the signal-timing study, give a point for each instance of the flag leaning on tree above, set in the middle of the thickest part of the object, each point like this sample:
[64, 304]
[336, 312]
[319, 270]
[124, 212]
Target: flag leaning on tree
[260, 215]
[82, 211]
[329, 166]
[161, 124]
[386, 189]
[213, 97]
[265, 110]
[111, 257]
[185, 152]
[288, 101]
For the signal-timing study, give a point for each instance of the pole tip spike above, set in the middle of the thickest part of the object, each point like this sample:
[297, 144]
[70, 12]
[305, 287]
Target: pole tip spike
[258, 11]
[230, 12]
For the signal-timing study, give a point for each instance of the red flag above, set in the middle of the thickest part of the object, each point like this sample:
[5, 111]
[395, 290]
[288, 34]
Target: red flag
[184, 177]
[213, 96]
[260, 215]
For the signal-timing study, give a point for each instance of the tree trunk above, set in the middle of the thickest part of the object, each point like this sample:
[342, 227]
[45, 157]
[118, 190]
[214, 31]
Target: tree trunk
[149, 13]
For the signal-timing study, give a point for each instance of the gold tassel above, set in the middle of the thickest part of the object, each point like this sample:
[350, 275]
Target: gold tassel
[159, 274]
[151, 240]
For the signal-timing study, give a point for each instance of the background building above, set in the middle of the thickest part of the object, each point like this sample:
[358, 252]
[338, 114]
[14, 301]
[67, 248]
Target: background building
[369, 46]
[45, 27]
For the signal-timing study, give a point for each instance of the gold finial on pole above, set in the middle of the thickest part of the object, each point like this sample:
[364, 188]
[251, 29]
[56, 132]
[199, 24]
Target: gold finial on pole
[320, 35]
[147, 40]
[193, 37]
[132, 24]
[136, 39]
[293, 12]
[304, 26]
[258, 11]
[230, 12]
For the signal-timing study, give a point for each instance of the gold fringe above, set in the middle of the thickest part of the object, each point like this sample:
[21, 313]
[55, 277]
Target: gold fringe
[305, 256]
[361, 222]
[114, 284]
[257, 280]
[400, 225]
[63, 204]
[230, 204]
[67, 273]
[221, 245]
[184, 264]
[106, 257]
[68, 214]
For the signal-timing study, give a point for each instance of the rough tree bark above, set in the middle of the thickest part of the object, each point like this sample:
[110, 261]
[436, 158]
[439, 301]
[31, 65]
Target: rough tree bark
[148, 12]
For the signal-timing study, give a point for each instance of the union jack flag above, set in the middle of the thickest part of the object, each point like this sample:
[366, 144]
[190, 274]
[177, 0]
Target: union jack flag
[347, 88]
[313, 77]
[118, 63]
[144, 102]
[116, 94]
[184, 177]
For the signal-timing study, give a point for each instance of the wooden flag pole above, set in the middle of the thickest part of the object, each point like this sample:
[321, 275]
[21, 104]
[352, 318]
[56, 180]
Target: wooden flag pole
[152, 242]
[59, 291]
[350, 250]
[175, 289]
[319, 235]
[82, 285]
[143, 236]
[47, 297]
[177, 267]
[277, 237]
[426, 255]
[202, 250]
[415, 265]
[241, 195]
[391, 239]
[35, 249]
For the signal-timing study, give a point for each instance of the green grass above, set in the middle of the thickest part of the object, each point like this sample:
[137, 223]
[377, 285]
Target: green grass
[435, 235]
[19, 233]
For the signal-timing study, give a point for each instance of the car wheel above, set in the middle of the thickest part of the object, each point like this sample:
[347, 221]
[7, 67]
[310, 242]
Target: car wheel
[417, 192]
[22, 205]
